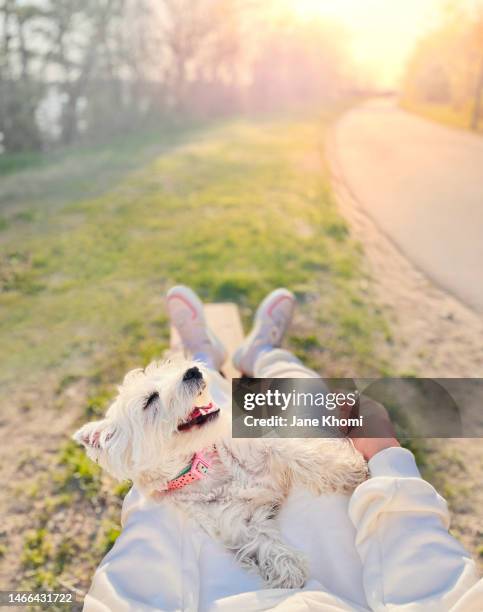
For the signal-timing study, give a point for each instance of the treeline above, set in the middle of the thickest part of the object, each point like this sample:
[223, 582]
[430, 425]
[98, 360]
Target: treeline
[73, 70]
[446, 68]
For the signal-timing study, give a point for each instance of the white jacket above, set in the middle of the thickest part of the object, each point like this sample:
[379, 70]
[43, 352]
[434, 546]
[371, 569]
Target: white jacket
[385, 548]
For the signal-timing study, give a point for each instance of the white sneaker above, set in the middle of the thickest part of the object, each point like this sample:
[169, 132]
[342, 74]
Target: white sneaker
[187, 315]
[272, 319]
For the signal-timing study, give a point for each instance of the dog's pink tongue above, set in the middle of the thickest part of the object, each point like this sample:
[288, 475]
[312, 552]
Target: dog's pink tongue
[201, 411]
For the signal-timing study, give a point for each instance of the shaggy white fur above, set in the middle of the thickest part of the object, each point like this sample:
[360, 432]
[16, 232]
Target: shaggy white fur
[149, 436]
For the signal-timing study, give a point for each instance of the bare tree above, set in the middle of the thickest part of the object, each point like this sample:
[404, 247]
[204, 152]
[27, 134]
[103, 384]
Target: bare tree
[98, 66]
[20, 91]
[201, 40]
[78, 33]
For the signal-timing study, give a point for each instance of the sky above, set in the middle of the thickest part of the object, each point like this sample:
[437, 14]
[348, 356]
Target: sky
[382, 33]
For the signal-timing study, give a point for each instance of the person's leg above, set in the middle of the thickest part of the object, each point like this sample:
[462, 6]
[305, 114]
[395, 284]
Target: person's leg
[260, 355]
[270, 323]
[186, 313]
[187, 316]
[279, 363]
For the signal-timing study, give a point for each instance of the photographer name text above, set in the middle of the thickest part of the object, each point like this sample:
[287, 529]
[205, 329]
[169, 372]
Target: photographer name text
[324, 421]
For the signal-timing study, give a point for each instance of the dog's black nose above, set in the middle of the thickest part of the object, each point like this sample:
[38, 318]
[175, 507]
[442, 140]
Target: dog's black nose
[192, 374]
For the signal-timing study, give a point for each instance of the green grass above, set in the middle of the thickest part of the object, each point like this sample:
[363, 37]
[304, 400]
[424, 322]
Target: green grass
[20, 161]
[233, 210]
[240, 210]
[34, 186]
[78, 471]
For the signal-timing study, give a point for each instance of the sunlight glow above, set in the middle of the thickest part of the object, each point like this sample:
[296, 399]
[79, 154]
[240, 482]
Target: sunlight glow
[381, 33]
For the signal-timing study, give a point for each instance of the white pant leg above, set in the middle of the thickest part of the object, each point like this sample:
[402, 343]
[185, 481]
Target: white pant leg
[279, 363]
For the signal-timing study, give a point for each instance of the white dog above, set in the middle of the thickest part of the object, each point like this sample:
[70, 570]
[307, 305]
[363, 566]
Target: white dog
[163, 432]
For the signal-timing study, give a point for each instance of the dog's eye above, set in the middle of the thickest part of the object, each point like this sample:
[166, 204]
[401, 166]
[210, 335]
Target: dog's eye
[151, 399]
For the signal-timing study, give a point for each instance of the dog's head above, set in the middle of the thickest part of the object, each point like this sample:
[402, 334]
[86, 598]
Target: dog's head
[162, 415]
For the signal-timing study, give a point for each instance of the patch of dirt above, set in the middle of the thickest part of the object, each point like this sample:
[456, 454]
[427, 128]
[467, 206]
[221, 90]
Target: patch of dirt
[34, 426]
[434, 335]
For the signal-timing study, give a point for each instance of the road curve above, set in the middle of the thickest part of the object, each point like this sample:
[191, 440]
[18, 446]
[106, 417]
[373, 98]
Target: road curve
[422, 184]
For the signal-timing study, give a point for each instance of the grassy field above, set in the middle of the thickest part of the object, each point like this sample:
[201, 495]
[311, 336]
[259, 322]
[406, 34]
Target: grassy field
[444, 114]
[89, 242]
[239, 210]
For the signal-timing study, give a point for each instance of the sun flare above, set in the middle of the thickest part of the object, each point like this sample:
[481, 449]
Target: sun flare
[381, 34]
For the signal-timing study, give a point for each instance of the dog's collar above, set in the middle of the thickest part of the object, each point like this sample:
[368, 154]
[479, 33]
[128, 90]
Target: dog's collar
[196, 470]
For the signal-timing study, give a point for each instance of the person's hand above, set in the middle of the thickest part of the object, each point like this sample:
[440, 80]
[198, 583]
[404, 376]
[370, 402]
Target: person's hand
[376, 422]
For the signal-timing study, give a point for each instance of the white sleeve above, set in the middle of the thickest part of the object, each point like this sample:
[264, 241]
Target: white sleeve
[410, 561]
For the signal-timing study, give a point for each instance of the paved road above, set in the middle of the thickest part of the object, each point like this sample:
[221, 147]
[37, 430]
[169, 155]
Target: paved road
[423, 185]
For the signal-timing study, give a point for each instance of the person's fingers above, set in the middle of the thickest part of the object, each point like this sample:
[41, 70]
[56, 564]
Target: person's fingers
[376, 432]
[370, 408]
[346, 410]
[376, 422]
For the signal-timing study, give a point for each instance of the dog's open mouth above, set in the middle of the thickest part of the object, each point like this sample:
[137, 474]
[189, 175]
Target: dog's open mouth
[199, 416]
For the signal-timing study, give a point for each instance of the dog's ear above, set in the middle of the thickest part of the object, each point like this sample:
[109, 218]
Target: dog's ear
[95, 435]
[104, 444]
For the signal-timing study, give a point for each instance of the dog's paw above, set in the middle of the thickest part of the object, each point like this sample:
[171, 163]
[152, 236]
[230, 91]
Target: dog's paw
[283, 568]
